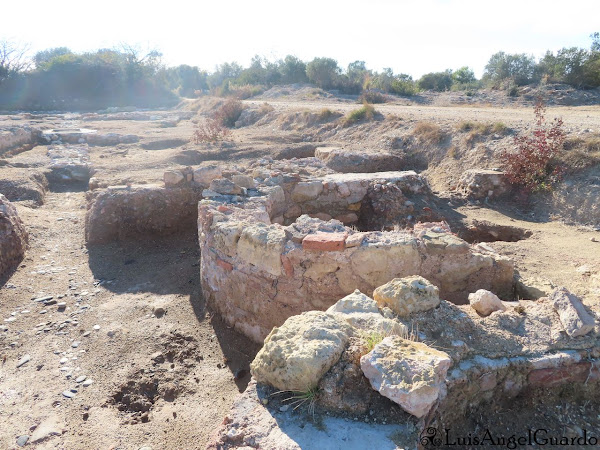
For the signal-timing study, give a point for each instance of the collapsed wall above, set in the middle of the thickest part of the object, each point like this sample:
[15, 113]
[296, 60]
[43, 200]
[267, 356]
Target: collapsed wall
[13, 237]
[264, 259]
[358, 366]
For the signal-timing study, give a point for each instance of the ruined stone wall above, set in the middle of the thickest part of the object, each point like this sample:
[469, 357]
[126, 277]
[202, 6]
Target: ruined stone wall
[13, 236]
[256, 273]
[11, 138]
[132, 211]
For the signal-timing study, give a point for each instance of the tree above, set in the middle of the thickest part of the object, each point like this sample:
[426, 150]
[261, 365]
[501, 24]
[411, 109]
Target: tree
[45, 56]
[516, 67]
[12, 59]
[293, 70]
[323, 72]
[463, 76]
[436, 81]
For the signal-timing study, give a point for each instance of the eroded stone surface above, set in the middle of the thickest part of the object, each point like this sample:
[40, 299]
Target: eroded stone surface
[347, 161]
[408, 373]
[13, 236]
[407, 295]
[121, 211]
[576, 320]
[296, 355]
[481, 183]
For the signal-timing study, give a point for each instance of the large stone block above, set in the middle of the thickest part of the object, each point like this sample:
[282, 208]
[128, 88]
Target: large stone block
[296, 355]
[576, 320]
[262, 245]
[307, 190]
[407, 295]
[409, 373]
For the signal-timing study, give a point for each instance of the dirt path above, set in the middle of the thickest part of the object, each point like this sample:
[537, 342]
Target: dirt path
[578, 117]
[163, 380]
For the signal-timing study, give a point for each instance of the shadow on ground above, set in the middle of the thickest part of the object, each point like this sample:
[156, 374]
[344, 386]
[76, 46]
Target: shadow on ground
[160, 265]
[170, 265]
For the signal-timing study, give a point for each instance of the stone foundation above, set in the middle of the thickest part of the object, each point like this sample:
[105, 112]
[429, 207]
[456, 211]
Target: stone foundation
[261, 263]
[522, 352]
[12, 138]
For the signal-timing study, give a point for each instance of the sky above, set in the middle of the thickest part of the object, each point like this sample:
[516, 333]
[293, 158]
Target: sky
[413, 37]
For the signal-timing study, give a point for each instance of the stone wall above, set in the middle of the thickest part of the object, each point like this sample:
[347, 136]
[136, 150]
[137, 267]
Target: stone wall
[11, 138]
[257, 273]
[120, 212]
[13, 237]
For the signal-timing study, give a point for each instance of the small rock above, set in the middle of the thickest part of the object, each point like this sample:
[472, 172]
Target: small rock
[158, 311]
[75, 344]
[96, 327]
[593, 239]
[485, 302]
[24, 360]
[22, 440]
[43, 299]
[68, 394]
[87, 383]
[63, 360]
[80, 379]
[284, 408]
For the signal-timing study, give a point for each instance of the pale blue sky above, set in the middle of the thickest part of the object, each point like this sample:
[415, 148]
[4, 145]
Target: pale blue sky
[412, 37]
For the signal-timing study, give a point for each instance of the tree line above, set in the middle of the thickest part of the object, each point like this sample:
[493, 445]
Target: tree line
[59, 78]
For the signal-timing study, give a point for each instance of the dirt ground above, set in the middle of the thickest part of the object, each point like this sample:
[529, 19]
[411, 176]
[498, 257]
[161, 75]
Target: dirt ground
[130, 316]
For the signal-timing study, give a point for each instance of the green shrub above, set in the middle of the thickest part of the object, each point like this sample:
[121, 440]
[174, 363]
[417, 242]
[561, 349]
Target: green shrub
[367, 112]
[372, 97]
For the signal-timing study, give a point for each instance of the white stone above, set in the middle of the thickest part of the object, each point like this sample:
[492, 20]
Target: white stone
[262, 245]
[173, 177]
[204, 175]
[296, 355]
[575, 319]
[409, 373]
[407, 295]
[485, 302]
[307, 190]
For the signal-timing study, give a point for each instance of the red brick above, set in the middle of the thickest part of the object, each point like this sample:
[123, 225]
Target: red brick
[574, 373]
[325, 242]
[287, 266]
[224, 265]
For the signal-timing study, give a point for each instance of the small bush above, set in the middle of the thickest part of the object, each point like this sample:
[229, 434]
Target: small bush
[367, 112]
[209, 131]
[265, 108]
[533, 165]
[579, 153]
[246, 91]
[428, 132]
[500, 128]
[229, 113]
[372, 97]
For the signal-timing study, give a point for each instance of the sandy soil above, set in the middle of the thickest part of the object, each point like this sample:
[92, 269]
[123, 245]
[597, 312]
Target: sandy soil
[166, 380]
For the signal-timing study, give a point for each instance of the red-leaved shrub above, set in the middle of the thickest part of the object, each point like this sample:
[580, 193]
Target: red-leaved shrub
[209, 131]
[533, 165]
